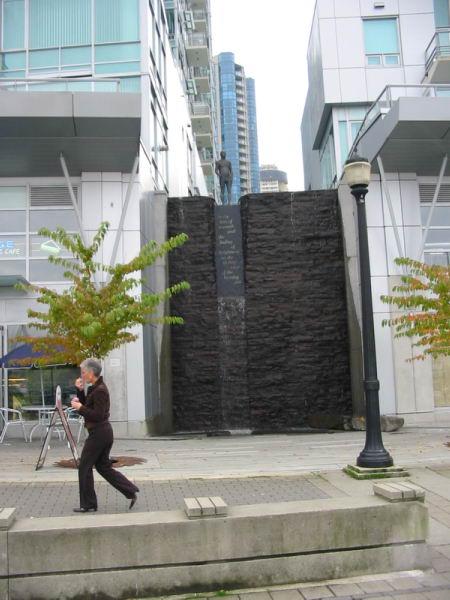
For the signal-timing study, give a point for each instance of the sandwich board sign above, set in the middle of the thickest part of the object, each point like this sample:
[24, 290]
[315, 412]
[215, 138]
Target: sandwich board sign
[58, 418]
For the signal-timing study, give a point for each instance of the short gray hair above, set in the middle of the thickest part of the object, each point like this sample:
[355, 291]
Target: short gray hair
[93, 365]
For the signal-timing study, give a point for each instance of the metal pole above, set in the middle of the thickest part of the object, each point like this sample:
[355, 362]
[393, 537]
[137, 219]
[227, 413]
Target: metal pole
[374, 454]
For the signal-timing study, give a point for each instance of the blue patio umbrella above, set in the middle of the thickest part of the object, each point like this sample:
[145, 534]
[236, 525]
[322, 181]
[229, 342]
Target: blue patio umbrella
[22, 352]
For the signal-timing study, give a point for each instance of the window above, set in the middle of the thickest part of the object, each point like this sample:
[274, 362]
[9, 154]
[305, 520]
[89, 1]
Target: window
[61, 23]
[437, 244]
[116, 21]
[381, 42]
[328, 159]
[13, 19]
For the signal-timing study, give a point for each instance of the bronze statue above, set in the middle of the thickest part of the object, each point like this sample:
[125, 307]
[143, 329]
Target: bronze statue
[224, 171]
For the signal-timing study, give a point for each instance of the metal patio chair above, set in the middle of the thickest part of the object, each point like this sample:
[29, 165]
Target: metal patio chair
[9, 417]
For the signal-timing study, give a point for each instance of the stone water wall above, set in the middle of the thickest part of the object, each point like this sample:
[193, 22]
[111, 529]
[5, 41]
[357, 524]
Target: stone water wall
[289, 365]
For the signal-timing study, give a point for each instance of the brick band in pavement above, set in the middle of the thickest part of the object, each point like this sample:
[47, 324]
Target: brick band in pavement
[58, 499]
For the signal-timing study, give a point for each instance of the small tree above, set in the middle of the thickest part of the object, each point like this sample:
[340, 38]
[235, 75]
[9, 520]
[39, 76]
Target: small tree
[425, 293]
[92, 319]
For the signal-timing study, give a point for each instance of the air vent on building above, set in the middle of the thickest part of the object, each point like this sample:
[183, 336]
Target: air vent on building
[55, 195]
[189, 20]
[426, 191]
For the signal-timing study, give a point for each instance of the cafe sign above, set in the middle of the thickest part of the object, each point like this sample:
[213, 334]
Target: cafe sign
[11, 249]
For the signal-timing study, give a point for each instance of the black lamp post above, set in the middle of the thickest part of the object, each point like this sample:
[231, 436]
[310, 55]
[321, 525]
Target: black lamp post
[374, 455]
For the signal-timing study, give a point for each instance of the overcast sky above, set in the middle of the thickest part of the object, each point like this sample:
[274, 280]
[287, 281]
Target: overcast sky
[269, 39]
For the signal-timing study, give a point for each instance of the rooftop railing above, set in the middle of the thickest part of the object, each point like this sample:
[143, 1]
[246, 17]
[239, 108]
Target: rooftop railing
[391, 94]
[60, 84]
[438, 47]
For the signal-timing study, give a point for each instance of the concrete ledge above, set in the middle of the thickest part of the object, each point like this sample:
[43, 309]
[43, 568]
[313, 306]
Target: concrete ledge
[148, 554]
[399, 492]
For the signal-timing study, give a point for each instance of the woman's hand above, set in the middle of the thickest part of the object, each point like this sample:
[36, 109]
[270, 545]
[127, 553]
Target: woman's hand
[75, 404]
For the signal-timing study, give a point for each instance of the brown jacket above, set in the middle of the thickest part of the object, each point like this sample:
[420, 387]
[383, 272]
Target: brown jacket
[95, 409]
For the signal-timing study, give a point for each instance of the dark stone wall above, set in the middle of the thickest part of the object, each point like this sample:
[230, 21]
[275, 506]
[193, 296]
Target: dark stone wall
[293, 363]
[296, 318]
[195, 345]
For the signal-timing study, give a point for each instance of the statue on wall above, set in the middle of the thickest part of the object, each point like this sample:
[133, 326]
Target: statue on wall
[224, 171]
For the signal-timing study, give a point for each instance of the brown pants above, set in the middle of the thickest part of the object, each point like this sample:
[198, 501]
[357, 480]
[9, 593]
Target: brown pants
[95, 452]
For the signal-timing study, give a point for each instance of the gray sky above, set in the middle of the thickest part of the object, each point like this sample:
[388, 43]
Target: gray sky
[270, 39]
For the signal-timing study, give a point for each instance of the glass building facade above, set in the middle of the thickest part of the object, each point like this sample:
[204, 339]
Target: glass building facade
[238, 124]
[252, 135]
[72, 38]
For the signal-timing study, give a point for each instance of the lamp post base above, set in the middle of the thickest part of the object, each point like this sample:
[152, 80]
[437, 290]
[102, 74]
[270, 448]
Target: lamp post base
[375, 473]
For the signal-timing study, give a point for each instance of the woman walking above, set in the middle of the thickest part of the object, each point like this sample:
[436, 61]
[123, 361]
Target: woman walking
[94, 407]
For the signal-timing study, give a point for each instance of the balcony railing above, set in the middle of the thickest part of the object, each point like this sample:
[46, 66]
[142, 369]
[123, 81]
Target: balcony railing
[197, 40]
[199, 15]
[438, 47]
[206, 155]
[201, 109]
[60, 84]
[391, 94]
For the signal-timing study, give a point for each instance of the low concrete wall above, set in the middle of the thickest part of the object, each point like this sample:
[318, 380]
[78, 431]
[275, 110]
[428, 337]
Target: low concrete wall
[152, 554]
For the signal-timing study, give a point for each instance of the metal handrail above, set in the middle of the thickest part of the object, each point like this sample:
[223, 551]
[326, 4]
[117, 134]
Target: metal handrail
[387, 92]
[36, 80]
[437, 48]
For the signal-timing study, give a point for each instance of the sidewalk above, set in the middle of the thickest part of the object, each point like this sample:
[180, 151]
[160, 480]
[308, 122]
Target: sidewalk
[247, 470]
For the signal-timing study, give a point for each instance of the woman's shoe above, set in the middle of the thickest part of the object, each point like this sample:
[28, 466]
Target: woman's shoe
[84, 510]
[133, 501]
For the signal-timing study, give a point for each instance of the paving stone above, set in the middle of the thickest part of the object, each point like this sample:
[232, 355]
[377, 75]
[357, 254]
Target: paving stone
[316, 593]
[441, 565]
[345, 589]
[432, 580]
[285, 595]
[372, 587]
[441, 551]
[438, 594]
[255, 596]
[404, 583]
[409, 596]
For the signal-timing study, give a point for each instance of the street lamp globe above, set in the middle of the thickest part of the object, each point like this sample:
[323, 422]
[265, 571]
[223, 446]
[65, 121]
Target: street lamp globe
[357, 171]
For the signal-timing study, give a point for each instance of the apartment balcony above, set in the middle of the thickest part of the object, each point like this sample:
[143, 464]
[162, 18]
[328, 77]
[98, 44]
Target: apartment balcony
[437, 57]
[207, 162]
[202, 79]
[201, 118]
[197, 50]
[201, 20]
[407, 127]
[37, 125]
[199, 5]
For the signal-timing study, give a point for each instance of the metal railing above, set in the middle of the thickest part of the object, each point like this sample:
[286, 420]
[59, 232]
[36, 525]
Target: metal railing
[439, 46]
[60, 84]
[201, 109]
[199, 15]
[206, 155]
[200, 71]
[196, 40]
[389, 95]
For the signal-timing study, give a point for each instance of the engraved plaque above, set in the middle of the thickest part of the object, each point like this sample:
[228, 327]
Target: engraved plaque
[229, 258]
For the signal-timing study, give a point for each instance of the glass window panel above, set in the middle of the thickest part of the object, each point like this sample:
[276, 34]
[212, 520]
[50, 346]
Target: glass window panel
[374, 60]
[437, 258]
[13, 60]
[113, 52]
[53, 219]
[116, 20]
[13, 24]
[130, 84]
[42, 247]
[80, 55]
[392, 59]
[85, 69]
[12, 220]
[343, 140]
[354, 128]
[441, 215]
[13, 197]
[13, 267]
[12, 74]
[438, 237]
[12, 246]
[441, 13]
[105, 86]
[79, 86]
[380, 36]
[43, 270]
[126, 67]
[44, 58]
[59, 23]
